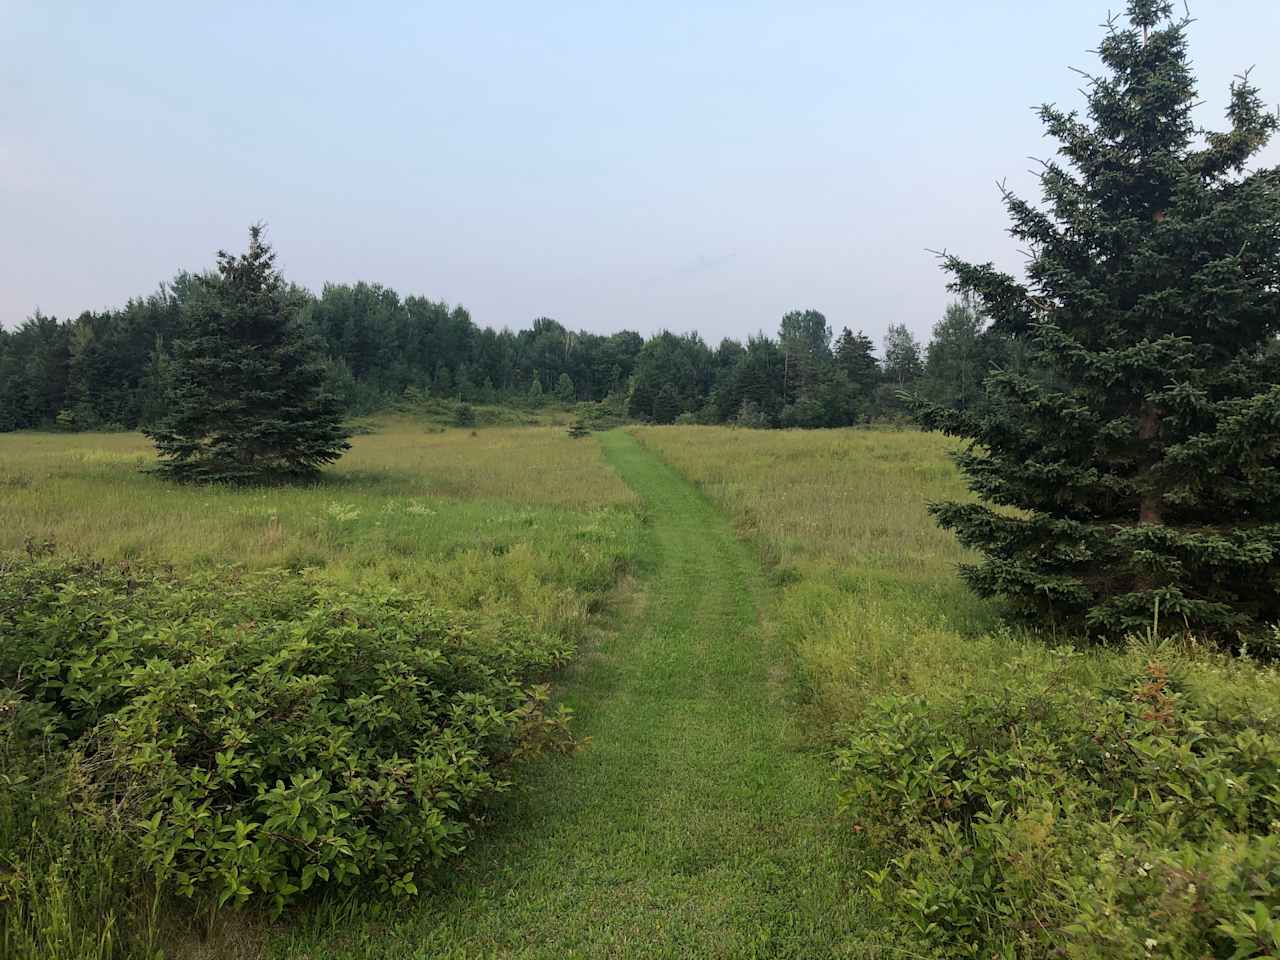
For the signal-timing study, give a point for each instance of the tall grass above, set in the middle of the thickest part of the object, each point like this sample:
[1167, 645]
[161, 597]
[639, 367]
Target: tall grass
[840, 516]
[510, 525]
[467, 515]
[1033, 796]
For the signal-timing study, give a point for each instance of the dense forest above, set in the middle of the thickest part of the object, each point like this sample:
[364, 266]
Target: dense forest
[109, 369]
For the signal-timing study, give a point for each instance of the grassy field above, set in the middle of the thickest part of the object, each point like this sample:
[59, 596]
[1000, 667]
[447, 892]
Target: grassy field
[522, 531]
[802, 735]
[1037, 797]
[522, 513]
[839, 518]
[693, 825]
[88, 491]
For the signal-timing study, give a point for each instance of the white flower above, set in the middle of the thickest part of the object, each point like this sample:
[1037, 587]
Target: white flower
[1149, 943]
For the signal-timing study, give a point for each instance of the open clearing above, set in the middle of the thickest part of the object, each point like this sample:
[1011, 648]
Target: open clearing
[773, 651]
[692, 825]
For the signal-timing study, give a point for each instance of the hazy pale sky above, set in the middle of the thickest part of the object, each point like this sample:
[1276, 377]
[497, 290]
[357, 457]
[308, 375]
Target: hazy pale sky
[705, 165]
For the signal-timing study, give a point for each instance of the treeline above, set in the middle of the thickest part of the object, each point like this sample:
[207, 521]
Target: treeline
[109, 369]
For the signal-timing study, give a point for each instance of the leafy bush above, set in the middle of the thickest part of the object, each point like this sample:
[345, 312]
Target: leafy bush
[1047, 808]
[253, 735]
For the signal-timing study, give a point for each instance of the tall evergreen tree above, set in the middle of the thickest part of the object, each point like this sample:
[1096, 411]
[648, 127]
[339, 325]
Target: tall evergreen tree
[248, 401]
[535, 396]
[855, 354]
[1144, 462]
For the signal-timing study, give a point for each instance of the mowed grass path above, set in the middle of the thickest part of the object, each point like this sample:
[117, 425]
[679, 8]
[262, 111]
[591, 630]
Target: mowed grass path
[692, 825]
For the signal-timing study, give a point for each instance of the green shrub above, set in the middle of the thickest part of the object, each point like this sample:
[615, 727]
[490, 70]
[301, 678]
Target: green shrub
[255, 735]
[1128, 815]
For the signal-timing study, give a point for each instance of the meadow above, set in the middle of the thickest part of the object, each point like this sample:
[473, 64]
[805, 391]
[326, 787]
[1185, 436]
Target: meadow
[1031, 794]
[525, 513]
[516, 536]
[794, 731]
[839, 520]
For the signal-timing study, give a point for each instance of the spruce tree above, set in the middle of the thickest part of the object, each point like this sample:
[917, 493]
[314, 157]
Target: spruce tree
[855, 354]
[247, 401]
[1141, 459]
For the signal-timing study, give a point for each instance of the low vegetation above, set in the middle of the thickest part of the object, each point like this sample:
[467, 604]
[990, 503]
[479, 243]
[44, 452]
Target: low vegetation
[245, 695]
[1025, 796]
[405, 495]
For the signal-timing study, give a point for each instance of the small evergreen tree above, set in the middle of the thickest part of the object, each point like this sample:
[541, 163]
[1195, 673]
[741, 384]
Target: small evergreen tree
[535, 391]
[1143, 459]
[465, 389]
[442, 382]
[247, 399]
[751, 415]
[805, 412]
[564, 389]
[579, 429]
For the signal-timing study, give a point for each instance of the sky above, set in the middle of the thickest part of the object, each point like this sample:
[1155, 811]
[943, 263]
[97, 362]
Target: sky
[661, 165]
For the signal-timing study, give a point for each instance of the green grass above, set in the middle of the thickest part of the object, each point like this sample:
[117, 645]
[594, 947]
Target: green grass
[1035, 794]
[871, 596]
[790, 584]
[693, 825]
[499, 523]
[525, 518]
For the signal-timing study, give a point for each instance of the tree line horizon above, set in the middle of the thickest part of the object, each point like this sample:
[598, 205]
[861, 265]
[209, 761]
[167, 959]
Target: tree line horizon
[108, 369]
